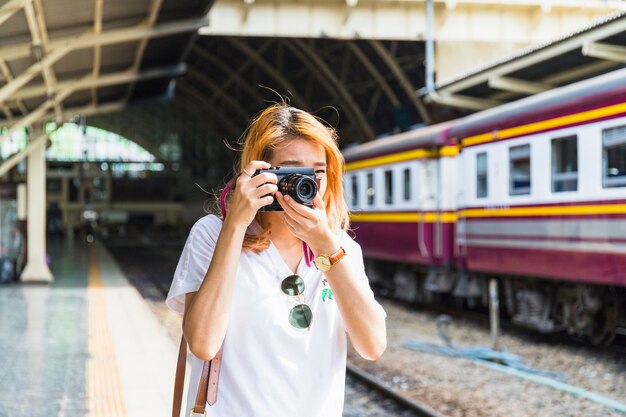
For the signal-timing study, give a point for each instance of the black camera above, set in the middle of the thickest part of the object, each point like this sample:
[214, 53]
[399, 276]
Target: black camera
[297, 182]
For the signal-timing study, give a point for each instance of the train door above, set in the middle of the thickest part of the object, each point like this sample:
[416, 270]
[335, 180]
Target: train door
[441, 277]
[448, 204]
[427, 200]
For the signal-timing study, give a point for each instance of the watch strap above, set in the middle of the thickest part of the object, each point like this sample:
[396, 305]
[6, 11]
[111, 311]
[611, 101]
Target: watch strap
[336, 257]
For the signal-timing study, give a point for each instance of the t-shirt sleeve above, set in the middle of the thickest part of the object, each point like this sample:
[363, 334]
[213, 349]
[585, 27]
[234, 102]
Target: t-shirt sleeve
[355, 257]
[194, 261]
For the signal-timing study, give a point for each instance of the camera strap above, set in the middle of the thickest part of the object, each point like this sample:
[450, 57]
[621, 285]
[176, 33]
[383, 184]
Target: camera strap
[306, 250]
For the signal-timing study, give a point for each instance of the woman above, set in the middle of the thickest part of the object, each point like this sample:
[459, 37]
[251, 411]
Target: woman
[282, 323]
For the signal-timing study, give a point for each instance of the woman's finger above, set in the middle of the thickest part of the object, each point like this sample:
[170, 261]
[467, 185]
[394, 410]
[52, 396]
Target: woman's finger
[264, 178]
[287, 208]
[252, 166]
[301, 209]
[318, 202]
[265, 201]
[265, 189]
[247, 172]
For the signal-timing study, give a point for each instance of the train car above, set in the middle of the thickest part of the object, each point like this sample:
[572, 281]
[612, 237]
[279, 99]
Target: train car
[403, 207]
[545, 197]
[534, 194]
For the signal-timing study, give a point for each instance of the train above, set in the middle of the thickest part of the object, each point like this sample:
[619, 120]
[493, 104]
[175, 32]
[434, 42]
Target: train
[531, 193]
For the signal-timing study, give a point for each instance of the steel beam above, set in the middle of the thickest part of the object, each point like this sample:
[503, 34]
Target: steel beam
[153, 13]
[234, 75]
[89, 39]
[4, 68]
[42, 110]
[39, 35]
[202, 105]
[58, 49]
[402, 79]
[371, 68]
[604, 51]
[217, 91]
[97, 50]
[579, 72]
[216, 62]
[94, 109]
[464, 102]
[518, 86]
[9, 9]
[88, 82]
[332, 84]
[271, 71]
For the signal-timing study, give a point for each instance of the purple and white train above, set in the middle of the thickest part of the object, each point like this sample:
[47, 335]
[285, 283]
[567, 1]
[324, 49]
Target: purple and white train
[532, 192]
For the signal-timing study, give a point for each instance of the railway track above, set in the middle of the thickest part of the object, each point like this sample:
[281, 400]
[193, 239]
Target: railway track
[405, 406]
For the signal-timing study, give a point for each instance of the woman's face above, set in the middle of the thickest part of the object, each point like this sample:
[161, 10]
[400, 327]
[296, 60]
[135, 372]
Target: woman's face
[302, 153]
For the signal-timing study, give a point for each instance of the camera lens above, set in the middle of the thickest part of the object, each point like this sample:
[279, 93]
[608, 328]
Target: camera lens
[299, 187]
[305, 189]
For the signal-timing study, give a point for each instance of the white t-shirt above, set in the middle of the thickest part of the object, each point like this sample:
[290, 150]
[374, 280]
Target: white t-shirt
[270, 368]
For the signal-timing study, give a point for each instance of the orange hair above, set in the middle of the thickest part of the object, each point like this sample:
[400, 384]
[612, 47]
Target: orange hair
[275, 126]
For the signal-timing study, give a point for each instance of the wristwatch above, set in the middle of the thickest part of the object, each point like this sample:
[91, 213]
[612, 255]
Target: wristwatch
[325, 262]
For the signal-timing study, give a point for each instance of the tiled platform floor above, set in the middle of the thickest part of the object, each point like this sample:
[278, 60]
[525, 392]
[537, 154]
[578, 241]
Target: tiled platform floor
[55, 361]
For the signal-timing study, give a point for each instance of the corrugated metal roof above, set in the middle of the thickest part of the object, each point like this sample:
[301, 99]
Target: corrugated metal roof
[559, 62]
[533, 49]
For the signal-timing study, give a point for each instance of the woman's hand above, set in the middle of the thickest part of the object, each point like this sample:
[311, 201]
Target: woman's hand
[308, 224]
[250, 194]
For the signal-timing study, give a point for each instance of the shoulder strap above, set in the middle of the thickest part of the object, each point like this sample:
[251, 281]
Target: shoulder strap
[207, 389]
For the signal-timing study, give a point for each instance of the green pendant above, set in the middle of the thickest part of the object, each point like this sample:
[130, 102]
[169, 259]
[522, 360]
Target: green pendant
[327, 294]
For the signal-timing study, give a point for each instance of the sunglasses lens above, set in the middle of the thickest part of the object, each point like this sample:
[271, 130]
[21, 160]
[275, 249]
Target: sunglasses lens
[292, 285]
[301, 316]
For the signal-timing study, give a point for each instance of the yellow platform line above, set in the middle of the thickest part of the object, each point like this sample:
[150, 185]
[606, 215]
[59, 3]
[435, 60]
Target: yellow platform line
[104, 388]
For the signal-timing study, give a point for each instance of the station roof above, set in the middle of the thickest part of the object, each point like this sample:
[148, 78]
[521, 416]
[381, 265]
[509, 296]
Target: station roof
[364, 88]
[71, 56]
[596, 49]
[138, 68]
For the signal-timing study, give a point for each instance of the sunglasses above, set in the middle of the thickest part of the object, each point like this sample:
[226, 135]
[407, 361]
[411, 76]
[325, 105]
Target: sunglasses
[301, 315]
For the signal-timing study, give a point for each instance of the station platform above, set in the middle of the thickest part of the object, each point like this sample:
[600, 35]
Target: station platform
[86, 345]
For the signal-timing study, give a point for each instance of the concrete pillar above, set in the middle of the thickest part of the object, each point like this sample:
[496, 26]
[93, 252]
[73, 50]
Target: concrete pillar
[36, 267]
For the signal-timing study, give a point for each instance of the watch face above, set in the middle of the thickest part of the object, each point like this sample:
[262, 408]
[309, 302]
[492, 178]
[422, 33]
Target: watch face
[322, 263]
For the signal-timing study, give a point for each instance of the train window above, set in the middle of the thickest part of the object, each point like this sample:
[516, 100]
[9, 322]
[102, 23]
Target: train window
[481, 175]
[519, 180]
[389, 187]
[354, 189]
[407, 184]
[565, 164]
[370, 189]
[614, 157]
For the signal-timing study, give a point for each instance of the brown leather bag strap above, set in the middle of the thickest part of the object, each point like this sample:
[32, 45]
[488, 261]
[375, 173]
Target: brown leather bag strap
[200, 403]
[207, 388]
[179, 381]
[214, 377]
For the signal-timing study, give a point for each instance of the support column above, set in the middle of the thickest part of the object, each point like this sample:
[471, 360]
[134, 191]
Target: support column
[36, 267]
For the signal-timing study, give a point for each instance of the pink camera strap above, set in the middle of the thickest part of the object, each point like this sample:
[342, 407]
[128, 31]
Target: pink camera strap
[307, 252]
